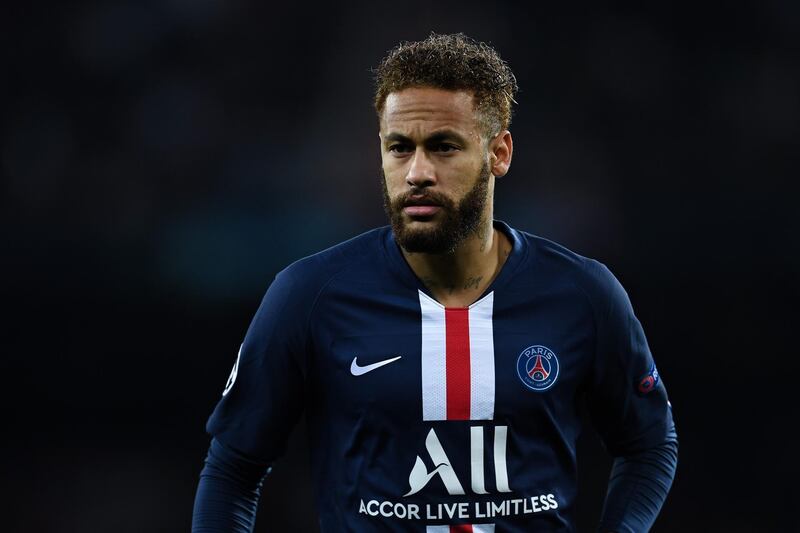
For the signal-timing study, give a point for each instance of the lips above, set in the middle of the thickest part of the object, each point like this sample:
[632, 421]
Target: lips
[421, 210]
[420, 206]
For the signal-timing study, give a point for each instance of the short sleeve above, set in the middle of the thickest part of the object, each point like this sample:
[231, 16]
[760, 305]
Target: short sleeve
[264, 397]
[627, 398]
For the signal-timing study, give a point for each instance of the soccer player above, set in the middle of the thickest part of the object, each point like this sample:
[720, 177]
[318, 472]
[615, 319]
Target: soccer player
[442, 361]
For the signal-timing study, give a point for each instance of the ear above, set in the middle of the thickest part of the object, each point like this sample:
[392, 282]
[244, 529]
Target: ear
[501, 148]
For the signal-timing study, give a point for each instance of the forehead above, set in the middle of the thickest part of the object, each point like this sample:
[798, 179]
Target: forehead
[423, 109]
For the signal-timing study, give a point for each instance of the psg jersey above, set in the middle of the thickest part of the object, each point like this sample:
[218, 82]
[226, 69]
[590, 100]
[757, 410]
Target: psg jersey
[424, 418]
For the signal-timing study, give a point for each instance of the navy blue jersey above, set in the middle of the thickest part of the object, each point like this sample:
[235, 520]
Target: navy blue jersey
[433, 419]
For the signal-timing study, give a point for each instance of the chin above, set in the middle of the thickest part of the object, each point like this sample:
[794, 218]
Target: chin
[428, 241]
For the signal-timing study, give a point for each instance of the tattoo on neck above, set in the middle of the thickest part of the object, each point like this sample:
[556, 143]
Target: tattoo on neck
[472, 283]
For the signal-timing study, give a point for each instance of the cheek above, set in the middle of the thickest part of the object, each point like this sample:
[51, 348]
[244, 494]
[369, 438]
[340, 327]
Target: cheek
[394, 176]
[459, 180]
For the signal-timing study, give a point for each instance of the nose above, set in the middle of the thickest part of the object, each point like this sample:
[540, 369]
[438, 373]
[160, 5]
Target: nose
[421, 172]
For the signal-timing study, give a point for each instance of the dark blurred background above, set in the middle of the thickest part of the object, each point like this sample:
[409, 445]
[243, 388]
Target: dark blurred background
[161, 161]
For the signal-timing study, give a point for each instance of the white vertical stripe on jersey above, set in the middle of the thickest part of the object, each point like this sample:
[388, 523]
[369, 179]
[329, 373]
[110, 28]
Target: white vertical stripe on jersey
[481, 348]
[434, 357]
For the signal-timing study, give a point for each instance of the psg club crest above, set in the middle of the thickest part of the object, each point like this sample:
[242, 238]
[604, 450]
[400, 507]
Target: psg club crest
[537, 367]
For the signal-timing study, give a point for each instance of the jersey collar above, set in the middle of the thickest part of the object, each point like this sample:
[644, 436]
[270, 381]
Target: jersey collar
[400, 267]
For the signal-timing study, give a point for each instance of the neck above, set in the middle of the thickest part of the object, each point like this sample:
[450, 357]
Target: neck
[458, 278]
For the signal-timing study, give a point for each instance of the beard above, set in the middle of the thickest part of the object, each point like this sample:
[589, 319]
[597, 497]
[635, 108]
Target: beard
[458, 221]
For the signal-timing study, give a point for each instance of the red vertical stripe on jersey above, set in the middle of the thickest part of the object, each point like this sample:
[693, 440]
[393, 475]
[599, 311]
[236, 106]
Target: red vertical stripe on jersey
[457, 365]
[463, 528]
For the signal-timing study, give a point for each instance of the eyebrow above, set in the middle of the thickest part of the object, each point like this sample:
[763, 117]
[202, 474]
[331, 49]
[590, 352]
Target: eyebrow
[439, 136]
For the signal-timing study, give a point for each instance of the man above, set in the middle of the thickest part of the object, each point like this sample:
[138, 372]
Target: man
[441, 362]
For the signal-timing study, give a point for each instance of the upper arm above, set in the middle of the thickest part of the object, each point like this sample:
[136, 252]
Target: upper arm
[260, 407]
[628, 399]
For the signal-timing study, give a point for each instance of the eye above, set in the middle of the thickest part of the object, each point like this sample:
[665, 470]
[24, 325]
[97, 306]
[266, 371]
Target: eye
[399, 148]
[444, 148]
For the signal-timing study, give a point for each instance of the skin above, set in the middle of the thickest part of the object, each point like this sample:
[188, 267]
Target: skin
[432, 138]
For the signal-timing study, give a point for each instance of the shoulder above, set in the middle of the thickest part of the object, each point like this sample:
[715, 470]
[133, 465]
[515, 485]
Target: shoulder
[309, 275]
[554, 263]
[291, 297]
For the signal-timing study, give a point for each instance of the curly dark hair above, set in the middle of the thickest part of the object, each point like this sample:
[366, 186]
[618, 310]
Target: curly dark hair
[452, 62]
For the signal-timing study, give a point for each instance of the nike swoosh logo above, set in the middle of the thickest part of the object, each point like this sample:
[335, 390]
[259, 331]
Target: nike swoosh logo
[361, 370]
